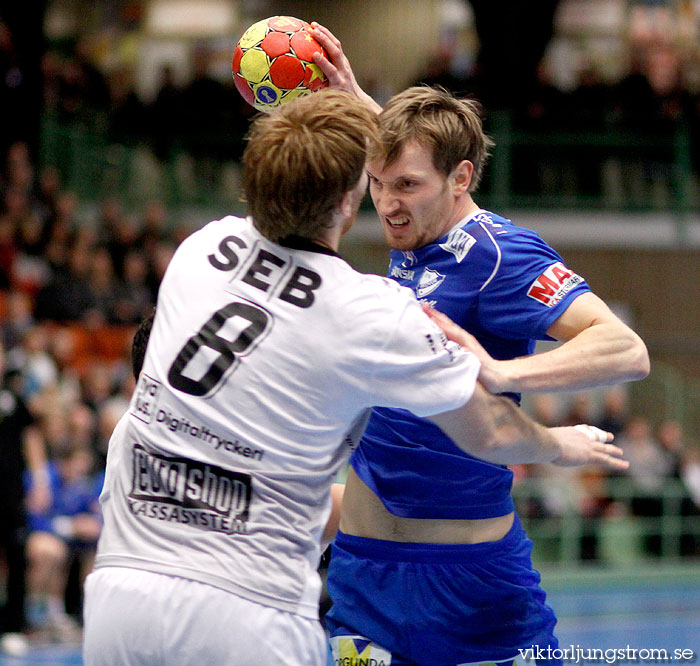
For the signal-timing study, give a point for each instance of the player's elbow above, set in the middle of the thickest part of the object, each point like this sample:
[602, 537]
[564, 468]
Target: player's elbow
[628, 358]
[639, 365]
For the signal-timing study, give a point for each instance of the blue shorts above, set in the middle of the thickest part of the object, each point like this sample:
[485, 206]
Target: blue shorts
[438, 605]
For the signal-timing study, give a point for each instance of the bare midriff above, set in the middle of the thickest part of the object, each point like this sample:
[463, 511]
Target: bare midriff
[364, 515]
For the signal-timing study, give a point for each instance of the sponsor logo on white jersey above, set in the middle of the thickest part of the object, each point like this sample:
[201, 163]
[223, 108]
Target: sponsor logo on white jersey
[439, 344]
[203, 433]
[555, 283]
[429, 282]
[458, 242]
[195, 493]
[146, 409]
[146, 398]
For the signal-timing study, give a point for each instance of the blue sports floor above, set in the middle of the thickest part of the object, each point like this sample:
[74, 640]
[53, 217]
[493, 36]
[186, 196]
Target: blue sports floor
[641, 610]
[642, 615]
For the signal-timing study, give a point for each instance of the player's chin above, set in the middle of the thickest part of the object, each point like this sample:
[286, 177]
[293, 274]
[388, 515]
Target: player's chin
[398, 238]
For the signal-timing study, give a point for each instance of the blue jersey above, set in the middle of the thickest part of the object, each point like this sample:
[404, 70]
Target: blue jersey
[68, 498]
[504, 285]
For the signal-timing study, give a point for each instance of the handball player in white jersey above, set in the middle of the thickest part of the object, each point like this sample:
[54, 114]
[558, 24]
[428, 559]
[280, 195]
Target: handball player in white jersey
[266, 353]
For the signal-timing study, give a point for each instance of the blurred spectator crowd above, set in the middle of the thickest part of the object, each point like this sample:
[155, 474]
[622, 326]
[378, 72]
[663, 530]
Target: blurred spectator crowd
[613, 138]
[78, 94]
[650, 510]
[204, 117]
[71, 296]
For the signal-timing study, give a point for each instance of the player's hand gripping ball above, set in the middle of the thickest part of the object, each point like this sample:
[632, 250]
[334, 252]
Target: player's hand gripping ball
[273, 62]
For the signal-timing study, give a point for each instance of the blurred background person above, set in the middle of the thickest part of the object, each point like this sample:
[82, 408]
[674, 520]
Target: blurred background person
[64, 533]
[21, 447]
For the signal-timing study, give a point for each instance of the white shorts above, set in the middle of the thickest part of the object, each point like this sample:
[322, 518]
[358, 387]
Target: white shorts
[140, 618]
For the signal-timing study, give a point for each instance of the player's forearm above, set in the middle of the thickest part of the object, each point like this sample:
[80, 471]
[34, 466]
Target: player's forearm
[516, 438]
[367, 99]
[495, 429]
[601, 355]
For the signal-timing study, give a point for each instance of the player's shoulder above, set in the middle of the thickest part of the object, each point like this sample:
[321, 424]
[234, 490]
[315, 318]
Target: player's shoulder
[478, 236]
[475, 243]
[487, 246]
[371, 288]
[497, 234]
[370, 298]
[364, 311]
[220, 228]
[207, 238]
[490, 228]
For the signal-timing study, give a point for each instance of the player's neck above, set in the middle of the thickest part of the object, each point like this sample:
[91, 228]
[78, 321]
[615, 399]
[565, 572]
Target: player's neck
[463, 208]
[466, 207]
[323, 243]
[329, 238]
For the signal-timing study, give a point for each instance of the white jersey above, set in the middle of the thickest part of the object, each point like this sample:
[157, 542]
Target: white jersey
[262, 365]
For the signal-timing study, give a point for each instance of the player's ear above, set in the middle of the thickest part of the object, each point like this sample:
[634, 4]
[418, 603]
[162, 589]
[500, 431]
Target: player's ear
[461, 177]
[345, 206]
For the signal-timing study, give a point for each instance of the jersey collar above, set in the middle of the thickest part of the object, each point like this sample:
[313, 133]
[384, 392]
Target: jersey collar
[429, 247]
[294, 242]
[465, 220]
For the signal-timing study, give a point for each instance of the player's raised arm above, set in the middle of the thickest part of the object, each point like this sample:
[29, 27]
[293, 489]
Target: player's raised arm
[598, 349]
[337, 67]
[495, 429]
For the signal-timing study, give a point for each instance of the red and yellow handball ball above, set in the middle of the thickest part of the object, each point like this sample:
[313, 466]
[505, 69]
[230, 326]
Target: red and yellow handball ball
[273, 62]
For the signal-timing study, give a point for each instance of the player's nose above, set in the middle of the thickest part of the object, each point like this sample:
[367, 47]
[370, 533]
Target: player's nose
[385, 202]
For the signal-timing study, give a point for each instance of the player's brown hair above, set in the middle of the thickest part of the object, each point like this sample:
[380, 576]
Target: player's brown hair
[449, 126]
[302, 158]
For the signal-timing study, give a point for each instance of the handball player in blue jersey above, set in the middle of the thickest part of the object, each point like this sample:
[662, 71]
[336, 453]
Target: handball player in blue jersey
[431, 566]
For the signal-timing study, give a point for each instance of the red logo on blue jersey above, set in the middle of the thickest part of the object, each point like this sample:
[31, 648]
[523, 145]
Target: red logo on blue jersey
[550, 287]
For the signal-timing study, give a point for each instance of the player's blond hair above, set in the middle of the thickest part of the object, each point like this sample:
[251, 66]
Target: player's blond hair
[302, 158]
[449, 126]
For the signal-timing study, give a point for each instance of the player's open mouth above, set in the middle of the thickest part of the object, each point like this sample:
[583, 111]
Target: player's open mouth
[397, 223]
